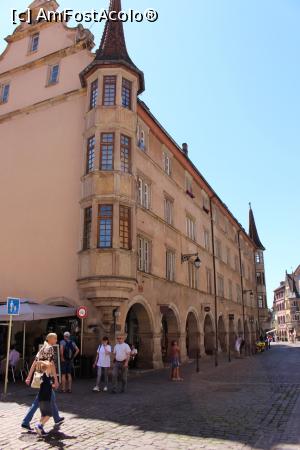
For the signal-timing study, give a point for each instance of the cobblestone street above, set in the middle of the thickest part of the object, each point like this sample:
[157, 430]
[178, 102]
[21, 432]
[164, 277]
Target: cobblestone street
[252, 403]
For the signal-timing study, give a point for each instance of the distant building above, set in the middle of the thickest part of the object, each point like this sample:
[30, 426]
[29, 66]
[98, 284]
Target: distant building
[100, 207]
[286, 307]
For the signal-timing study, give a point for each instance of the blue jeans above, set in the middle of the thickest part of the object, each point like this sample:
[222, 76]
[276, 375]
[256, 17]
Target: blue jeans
[35, 406]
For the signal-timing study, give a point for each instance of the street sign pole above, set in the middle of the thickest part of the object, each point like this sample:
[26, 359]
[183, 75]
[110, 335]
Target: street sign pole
[81, 338]
[7, 354]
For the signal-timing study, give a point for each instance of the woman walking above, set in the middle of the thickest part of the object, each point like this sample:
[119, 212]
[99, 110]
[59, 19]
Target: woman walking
[175, 361]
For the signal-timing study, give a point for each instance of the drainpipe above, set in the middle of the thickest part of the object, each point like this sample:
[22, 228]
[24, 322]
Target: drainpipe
[242, 282]
[215, 280]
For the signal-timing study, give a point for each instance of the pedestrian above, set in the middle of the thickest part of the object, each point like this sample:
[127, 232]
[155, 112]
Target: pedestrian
[46, 353]
[68, 352]
[14, 357]
[237, 345]
[122, 353]
[133, 357]
[175, 361]
[102, 362]
[44, 396]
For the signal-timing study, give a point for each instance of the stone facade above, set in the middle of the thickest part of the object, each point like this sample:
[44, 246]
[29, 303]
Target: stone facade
[101, 207]
[286, 307]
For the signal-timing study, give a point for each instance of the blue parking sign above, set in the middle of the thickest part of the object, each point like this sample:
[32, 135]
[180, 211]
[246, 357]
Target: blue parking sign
[13, 306]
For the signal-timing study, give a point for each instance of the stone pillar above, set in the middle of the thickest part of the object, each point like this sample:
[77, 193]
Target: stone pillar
[182, 345]
[157, 356]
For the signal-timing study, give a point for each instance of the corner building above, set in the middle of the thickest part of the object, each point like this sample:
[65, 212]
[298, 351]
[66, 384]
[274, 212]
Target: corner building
[102, 208]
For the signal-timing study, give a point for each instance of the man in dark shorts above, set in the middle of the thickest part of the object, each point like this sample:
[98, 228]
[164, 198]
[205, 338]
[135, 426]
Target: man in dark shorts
[68, 352]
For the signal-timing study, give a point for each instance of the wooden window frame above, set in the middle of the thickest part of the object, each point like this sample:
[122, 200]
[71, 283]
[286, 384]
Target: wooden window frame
[50, 81]
[107, 94]
[31, 49]
[90, 155]
[125, 160]
[126, 93]
[105, 217]
[94, 91]
[170, 265]
[125, 226]
[145, 265]
[87, 228]
[107, 144]
[3, 87]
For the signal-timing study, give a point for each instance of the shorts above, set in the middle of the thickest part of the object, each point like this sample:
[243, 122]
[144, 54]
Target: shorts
[175, 363]
[45, 408]
[67, 367]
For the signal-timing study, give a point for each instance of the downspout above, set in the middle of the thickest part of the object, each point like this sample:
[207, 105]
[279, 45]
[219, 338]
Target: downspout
[215, 280]
[242, 282]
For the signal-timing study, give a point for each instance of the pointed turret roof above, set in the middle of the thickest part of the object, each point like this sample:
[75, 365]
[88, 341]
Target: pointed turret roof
[112, 49]
[253, 230]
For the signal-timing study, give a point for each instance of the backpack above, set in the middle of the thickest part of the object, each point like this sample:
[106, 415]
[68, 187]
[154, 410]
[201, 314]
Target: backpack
[69, 350]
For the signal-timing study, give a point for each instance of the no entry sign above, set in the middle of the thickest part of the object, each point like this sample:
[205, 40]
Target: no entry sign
[82, 312]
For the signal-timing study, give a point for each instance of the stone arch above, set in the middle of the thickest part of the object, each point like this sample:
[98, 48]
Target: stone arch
[170, 329]
[209, 335]
[192, 334]
[139, 330]
[222, 334]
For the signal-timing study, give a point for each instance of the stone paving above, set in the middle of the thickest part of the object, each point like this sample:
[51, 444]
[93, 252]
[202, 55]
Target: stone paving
[250, 403]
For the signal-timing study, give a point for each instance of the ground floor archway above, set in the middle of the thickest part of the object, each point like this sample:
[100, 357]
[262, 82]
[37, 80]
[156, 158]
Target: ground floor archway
[170, 331]
[192, 335]
[209, 335]
[140, 334]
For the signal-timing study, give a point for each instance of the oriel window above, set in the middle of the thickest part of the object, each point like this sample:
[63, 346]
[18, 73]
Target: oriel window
[125, 153]
[109, 91]
[107, 151]
[94, 94]
[125, 233]
[105, 226]
[87, 228]
[126, 93]
[90, 157]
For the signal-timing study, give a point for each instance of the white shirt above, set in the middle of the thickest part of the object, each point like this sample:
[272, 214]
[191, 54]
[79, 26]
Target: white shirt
[14, 357]
[122, 351]
[103, 358]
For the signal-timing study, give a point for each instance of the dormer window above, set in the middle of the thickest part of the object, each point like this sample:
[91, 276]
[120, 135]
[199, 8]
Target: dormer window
[94, 94]
[4, 91]
[141, 139]
[53, 74]
[34, 43]
[167, 163]
[126, 93]
[189, 185]
[109, 90]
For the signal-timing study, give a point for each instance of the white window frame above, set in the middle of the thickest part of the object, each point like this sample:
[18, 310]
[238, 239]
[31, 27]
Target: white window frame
[32, 40]
[167, 163]
[168, 210]
[190, 227]
[206, 239]
[220, 285]
[170, 265]
[144, 254]
[192, 275]
[209, 285]
[50, 72]
[144, 193]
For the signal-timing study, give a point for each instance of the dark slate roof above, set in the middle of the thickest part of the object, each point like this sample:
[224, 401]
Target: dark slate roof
[253, 231]
[112, 49]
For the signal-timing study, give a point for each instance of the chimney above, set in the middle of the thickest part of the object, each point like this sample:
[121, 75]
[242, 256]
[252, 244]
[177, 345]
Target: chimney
[185, 148]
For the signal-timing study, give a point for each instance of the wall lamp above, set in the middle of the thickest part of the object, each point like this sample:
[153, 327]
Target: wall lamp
[251, 292]
[197, 261]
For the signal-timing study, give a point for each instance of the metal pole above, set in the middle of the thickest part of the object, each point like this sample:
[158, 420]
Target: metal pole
[215, 281]
[197, 361]
[81, 338]
[229, 354]
[7, 354]
[24, 337]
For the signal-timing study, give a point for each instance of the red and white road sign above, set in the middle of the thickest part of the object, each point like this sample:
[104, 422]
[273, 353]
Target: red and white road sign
[82, 312]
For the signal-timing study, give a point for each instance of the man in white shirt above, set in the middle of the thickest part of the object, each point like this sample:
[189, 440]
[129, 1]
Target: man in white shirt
[14, 357]
[122, 353]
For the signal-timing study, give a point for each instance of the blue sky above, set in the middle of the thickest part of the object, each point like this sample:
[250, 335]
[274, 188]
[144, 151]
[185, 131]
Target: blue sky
[223, 75]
